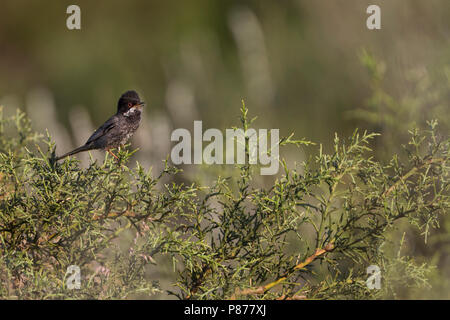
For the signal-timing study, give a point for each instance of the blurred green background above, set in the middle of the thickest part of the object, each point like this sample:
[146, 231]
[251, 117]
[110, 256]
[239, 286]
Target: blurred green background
[304, 66]
[294, 62]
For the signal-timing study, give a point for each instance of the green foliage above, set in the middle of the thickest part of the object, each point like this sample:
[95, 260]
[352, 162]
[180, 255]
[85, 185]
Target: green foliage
[393, 115]
[423, 95]
[311, 234]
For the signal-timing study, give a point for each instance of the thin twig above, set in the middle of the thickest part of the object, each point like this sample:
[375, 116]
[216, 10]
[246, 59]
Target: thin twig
[263, 289]
[410, 173]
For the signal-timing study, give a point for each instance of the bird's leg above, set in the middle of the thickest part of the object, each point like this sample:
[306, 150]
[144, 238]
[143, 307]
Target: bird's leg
[111, 153]
[118, 159]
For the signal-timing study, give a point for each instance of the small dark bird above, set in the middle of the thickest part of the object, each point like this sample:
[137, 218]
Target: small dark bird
[118, 129]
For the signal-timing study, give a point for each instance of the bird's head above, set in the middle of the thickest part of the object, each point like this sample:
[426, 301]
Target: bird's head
[129, 100]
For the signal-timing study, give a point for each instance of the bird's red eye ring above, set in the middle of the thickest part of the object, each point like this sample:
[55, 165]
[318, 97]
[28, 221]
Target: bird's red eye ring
[129, 104]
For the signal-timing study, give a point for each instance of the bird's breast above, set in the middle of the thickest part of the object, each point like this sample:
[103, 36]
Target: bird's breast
[130, 124]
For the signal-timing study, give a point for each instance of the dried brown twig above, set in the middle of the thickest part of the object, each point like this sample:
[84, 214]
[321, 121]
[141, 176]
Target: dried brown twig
[263, 289]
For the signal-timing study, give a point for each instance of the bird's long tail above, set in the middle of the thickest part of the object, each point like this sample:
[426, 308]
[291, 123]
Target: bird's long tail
[77, 150]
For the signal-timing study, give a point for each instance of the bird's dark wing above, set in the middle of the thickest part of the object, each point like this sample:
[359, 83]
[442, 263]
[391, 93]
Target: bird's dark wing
[100, 132]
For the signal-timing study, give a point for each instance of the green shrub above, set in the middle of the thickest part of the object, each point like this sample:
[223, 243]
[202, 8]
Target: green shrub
[311, 234]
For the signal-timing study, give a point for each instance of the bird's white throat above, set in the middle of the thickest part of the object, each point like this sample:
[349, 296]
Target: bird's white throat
[130, 112]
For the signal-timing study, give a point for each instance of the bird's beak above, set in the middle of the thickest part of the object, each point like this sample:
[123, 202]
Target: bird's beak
[141, 104]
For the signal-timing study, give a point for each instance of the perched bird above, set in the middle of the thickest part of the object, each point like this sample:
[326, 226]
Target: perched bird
[118, 129]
